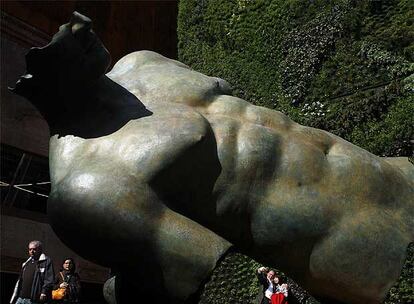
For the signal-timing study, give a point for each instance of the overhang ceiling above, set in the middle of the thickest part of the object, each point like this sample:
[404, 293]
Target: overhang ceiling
[123, 26]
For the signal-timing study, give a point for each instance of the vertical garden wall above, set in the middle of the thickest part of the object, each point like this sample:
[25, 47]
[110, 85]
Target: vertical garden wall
[343, 66]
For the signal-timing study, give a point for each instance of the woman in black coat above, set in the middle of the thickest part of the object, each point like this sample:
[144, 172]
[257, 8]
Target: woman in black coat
[67, 278]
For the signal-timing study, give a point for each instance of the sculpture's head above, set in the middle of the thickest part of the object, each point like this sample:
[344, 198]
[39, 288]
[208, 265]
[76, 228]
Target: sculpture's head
[74, 57]
[65, 80]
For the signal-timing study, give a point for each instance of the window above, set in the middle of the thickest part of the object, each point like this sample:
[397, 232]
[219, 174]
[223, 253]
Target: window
[25, 181]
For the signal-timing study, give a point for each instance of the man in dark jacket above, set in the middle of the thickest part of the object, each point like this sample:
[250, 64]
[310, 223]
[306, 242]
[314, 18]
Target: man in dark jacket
[36, 277]
[265, 277]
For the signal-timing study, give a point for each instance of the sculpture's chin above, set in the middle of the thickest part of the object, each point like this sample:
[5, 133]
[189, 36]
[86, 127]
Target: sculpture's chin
[25, 86]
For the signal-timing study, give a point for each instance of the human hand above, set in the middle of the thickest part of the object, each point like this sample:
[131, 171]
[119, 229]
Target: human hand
[63, 285]
[263, 269]
[42, 297]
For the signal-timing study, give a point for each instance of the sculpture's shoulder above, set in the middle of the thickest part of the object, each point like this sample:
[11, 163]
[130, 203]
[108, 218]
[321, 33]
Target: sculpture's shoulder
[138, 59]
[403, 164]
[149, 143]
[155, 78]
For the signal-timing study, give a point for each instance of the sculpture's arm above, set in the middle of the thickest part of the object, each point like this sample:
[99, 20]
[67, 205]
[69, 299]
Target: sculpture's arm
[125, 192]
[134, 231]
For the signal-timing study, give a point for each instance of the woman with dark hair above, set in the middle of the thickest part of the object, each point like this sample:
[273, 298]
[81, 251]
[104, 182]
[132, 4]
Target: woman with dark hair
[67, 278]
[280, 296]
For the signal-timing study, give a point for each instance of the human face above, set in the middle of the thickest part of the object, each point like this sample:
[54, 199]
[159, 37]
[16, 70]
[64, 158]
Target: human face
[271, 275]
[34, 251]
[276, 280]
[68, 265]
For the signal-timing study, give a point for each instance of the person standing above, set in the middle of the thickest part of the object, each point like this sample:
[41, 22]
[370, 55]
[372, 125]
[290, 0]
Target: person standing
[36, 277]
[69, 279]
[265, 277]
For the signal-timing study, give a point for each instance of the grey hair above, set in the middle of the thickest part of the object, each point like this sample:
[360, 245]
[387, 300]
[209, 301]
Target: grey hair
[37, 243]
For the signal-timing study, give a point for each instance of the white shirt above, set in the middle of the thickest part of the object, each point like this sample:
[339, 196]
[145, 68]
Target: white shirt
[269, 290]
[282, 289]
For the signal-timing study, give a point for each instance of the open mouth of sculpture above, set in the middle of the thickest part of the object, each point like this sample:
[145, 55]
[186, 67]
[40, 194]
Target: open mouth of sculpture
[23, 80]
[36, 68]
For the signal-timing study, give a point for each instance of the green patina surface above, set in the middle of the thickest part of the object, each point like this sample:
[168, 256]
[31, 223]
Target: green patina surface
[343, 66]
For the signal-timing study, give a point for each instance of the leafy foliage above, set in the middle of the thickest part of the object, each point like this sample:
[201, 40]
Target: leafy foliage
[353, 60]
[234, 281]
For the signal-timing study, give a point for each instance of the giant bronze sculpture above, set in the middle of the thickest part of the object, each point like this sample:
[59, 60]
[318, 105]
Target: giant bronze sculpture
[157, 170]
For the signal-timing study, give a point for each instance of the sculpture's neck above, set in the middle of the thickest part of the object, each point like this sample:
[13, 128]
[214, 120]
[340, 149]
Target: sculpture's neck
[95, 110]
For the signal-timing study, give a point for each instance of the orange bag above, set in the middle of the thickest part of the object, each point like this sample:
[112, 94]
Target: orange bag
[60, 293]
